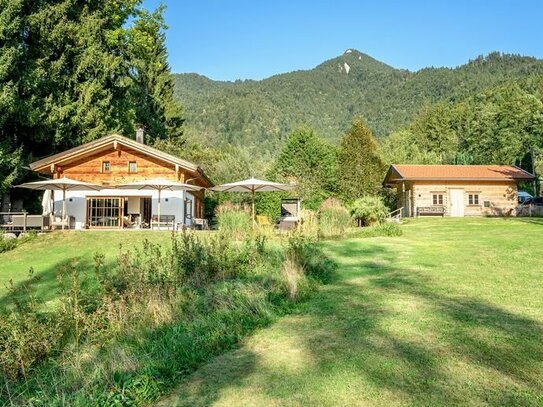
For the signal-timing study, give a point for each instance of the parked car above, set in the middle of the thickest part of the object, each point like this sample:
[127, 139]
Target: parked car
[523, 196]
[536, 200]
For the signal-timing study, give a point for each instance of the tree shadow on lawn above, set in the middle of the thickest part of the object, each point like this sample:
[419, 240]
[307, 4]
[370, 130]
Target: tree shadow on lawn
[386, 332]
[532, 220]
[44, 286]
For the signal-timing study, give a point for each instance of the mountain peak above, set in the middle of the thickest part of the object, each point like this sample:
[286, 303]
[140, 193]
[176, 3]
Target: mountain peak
[354, 60]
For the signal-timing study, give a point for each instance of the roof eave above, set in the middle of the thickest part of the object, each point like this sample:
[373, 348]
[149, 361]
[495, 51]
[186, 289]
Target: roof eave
[386, 182]
[467, 179]
[104, 141]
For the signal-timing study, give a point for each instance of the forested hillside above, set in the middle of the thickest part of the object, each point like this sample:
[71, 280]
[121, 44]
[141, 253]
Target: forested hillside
[262, 113]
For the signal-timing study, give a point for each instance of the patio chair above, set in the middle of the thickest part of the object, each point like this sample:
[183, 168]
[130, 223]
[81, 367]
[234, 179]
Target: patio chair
[263, 220]
[69, 222]
[200, 223]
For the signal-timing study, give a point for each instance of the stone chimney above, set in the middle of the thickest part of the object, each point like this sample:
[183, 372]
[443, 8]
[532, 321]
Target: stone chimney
[140, 135]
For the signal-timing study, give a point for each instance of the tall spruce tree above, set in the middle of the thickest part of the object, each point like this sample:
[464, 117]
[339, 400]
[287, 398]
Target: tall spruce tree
[360, 167]
[73, 71]
[153, 85]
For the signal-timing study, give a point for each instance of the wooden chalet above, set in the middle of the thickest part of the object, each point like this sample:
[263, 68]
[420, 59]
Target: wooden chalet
[115, 160]
[456, 190]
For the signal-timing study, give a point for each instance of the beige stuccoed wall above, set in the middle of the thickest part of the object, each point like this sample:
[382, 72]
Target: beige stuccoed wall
[502, 196]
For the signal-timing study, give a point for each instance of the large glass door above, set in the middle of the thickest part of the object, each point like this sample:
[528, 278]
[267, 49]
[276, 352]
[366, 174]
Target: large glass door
[104, 212]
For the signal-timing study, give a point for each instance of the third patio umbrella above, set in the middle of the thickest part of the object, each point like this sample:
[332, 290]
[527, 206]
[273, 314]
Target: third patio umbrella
[253, 185]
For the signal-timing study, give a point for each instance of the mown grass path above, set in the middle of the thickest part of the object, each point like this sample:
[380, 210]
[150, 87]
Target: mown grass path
[451, 313]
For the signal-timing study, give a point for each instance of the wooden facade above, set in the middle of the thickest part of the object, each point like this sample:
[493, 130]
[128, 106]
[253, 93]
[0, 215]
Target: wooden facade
[116, 160]
[444, 192]
[488, 198]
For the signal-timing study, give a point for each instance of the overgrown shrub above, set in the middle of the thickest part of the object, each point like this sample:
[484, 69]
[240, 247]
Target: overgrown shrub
[234, 220]
[309, 223]
[7, 244]
[307, 253]
[27, 336]
[123, 334]
[334, 219]
[369, 210]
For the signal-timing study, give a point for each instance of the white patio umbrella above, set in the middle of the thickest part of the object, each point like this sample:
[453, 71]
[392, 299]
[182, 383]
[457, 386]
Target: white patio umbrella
[160, 184]
[253, 186]
[62, 184]
[47, 202]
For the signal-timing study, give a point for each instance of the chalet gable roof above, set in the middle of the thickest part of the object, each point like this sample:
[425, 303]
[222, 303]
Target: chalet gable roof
[112, 141]
[410, 172]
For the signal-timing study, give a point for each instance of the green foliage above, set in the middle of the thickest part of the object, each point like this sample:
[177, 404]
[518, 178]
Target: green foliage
[360, 168]
[400, 147]
[389, 229]
[309, 162]
[10, 244]
[123, 335]
[502, 125]
[309, 224]
[27, 336]
[334, 219]
[369, 210]
[71, 72]
[434, 129]
[10, 166]
[310, 257]
[262, 113]
[233, 220]
[7, 244]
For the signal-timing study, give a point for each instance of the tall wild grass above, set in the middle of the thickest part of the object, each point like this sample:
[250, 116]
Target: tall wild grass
[234, 220]
[334, 219]
[122, 335]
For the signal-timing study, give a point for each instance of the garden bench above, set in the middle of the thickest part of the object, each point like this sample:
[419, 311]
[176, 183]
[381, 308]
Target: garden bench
[431, 211]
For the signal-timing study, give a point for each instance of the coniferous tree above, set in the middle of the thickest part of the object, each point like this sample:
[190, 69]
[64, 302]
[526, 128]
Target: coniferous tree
[73, 71]
[153, 86]
[360, 167]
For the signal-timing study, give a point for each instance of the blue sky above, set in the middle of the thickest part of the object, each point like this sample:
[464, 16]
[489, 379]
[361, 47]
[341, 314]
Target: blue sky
[234, 39]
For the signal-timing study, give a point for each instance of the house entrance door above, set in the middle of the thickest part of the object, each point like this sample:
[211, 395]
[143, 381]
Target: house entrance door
[456, 202]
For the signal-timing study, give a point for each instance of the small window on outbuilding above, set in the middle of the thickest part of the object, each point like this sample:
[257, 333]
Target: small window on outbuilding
[132, 167]
[473, 199]
[437, 199]
[106, 166]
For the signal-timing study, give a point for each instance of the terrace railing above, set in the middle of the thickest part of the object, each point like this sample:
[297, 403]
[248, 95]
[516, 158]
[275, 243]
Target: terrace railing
[22, 221]
[396, 215]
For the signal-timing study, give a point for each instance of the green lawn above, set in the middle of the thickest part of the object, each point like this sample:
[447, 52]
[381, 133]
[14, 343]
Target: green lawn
[48, 253]
[451, 313]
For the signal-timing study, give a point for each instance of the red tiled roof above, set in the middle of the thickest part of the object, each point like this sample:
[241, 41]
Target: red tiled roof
[456, 172]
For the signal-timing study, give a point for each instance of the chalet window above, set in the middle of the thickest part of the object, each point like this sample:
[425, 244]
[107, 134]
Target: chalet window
[437, 199]
[106, 166]
[473, 199]
[132, 167]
